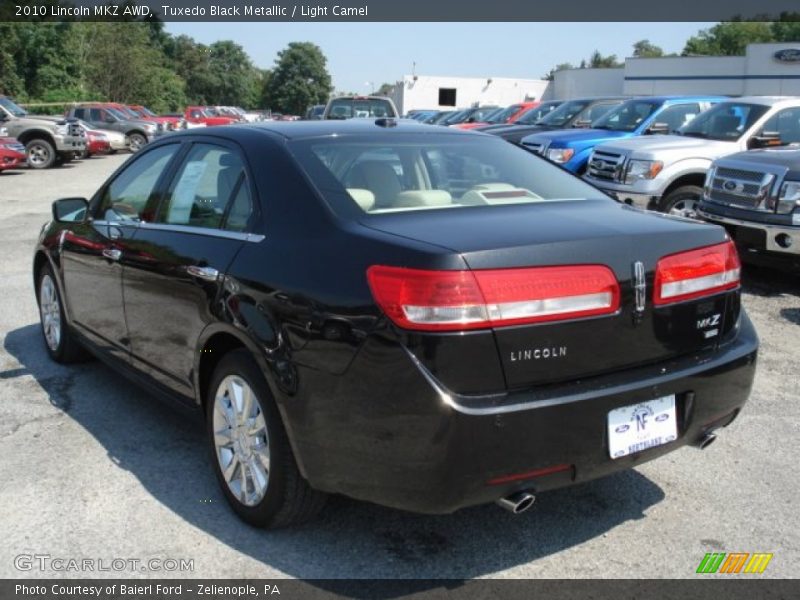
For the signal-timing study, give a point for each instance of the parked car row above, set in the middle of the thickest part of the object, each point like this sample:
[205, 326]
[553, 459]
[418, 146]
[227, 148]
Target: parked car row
[712, 158]
[93, 128]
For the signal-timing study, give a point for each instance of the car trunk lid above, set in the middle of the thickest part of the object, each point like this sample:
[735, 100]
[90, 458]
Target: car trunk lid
[583, 232]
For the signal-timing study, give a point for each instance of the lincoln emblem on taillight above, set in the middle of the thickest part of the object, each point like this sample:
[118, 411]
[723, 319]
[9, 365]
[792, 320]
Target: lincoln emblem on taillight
[639, 286]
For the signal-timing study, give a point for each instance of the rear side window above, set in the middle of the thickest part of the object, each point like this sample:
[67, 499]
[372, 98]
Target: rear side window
[125, 199]
[210, 180]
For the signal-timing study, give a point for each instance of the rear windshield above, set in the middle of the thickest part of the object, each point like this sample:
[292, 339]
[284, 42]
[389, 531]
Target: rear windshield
[360, 108]
[413, 172]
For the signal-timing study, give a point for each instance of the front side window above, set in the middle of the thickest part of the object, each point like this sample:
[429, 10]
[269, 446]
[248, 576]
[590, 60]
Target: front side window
[125, 199]
[627, 116]
[726, 121]
[11, 107]
[564, 113]
[417, 173]
[678, 115]
[786, 124]
[204, 187]
[534, 115]
[593, 113]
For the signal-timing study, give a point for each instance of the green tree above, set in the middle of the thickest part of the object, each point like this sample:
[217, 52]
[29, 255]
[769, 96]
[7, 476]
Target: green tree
[644, 49]
[385, 89]
[729, 38]
[300, 79]
[598, 61]
[232, 78]
[551, 74]
[10, 81]
[122, 65]
[787, 29]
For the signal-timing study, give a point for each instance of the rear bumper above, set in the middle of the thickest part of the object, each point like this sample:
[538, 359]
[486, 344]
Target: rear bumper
[401, 440]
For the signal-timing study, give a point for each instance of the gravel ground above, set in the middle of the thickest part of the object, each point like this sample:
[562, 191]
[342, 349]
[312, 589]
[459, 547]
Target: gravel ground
[93, 467]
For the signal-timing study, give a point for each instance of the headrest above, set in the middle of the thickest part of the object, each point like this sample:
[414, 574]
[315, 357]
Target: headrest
[412, 198]
[364, 198]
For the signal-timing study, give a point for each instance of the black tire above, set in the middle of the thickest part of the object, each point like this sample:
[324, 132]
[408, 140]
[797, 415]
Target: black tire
[41, 154]
[678, 201]
[136, 141]
[288, 499]
[112, 151]
[68, 349]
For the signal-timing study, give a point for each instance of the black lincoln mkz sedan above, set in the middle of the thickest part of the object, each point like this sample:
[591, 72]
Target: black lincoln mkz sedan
[423, 318]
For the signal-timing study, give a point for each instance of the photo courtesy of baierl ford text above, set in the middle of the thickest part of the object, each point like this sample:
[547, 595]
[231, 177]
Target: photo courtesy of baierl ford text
[353, 300]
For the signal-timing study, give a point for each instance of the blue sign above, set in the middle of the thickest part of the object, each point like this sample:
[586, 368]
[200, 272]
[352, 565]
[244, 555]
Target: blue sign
[789, 55]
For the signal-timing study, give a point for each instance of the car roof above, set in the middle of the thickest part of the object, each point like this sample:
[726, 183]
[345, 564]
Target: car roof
[683, 97]
[294, 130]
[766, 100]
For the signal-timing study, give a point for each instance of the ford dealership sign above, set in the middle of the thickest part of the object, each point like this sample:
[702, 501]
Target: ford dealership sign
[789, 55]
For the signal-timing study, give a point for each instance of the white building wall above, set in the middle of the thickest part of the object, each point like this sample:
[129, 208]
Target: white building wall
[760, 61]
[577, 83]
[685, 75]
[423, 91]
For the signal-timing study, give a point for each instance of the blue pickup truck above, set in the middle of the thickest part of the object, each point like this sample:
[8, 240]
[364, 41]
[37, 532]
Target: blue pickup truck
[649, 115]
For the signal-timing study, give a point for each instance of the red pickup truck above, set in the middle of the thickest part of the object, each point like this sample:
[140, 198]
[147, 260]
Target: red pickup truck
[145, 113]
[204, 115]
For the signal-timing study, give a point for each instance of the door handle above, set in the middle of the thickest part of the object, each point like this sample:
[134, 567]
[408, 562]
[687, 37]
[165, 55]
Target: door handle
[112, 253]
[204, 273]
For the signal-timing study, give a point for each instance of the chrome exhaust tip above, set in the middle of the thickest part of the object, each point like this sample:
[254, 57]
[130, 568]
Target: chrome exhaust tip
[517, 503]
[707, 440]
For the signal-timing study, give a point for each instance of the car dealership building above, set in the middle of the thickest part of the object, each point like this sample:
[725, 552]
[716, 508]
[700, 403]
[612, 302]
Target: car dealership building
[765, 69]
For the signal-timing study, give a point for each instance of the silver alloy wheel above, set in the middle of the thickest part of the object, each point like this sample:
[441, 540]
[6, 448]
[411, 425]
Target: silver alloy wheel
[50, 311]
[38, 154]
[685, 207]
[241, 441]
[136, 142]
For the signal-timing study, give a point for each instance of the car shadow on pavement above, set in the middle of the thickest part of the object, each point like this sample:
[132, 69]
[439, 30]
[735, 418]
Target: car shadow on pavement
[768, 283]
[166, 452]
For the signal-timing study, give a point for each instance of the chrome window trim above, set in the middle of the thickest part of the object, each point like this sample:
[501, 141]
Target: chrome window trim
[206, 231]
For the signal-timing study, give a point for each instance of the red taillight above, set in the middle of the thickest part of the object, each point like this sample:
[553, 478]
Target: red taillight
[458, 300]
[696, 273]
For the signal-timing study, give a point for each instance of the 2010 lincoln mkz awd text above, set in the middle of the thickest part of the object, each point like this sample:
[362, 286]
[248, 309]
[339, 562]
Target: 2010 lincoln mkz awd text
[423, 318]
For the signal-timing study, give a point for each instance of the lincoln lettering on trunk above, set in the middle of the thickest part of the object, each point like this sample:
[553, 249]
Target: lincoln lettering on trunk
[539, 353]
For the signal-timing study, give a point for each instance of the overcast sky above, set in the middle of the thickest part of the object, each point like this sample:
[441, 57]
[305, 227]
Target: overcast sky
[364, 54]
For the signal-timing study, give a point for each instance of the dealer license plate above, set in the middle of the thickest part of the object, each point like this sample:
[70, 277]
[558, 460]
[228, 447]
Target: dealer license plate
[641, 426]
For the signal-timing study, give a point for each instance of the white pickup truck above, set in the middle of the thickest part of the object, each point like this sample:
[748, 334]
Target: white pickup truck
[666, 173]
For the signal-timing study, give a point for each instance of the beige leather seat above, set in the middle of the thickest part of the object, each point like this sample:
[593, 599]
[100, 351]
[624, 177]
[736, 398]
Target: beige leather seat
[379, 178]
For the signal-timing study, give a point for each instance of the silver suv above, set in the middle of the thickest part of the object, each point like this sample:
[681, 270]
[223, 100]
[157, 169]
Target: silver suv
[47, 140]
[667, 173]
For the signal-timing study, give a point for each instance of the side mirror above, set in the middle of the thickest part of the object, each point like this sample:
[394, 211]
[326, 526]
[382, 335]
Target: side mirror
[764, 139]
[658, 129]
[70, 210]
[110, 120]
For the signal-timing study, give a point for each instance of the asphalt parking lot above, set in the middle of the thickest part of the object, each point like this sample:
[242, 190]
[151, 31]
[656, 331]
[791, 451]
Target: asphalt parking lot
[93, 467]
